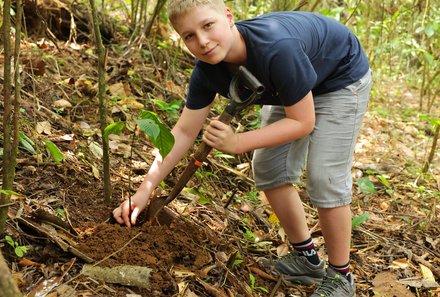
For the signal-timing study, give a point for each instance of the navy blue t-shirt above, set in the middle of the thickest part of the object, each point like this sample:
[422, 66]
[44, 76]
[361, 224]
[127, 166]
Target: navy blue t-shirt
[291, 53]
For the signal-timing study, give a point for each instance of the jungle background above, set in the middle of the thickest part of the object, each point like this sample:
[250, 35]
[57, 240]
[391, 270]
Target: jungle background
[85, 109]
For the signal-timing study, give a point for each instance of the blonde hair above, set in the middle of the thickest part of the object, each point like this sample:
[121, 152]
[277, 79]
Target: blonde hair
[176, 8]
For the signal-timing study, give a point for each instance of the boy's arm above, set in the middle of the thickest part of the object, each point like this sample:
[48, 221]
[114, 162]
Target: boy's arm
[185, 131]
[299, 122]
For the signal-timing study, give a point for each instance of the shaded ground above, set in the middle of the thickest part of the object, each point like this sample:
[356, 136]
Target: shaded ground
[206, 250]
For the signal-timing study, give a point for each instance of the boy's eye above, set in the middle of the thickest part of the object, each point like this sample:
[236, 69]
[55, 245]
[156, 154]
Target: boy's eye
[188, 37]
[208, 25]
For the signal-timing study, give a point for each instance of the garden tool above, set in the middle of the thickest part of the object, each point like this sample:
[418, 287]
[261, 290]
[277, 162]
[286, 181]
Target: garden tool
[243, 82]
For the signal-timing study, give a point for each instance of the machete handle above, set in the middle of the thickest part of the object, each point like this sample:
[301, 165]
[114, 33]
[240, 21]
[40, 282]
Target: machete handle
[243, 79]
[250, 80]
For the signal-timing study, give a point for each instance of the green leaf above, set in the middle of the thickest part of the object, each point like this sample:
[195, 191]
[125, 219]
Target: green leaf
[8, 192]
[10, 241]
[26, 143]
[365, 185]
[20, 251]
[60, 212]
[429, 30]
[203, 200]
[262, 289]
[359, 220]
[54, 151]
[114, 128]
[384, 180]
[252, 279]
[224, 156]
[150, 127]
[158, 133]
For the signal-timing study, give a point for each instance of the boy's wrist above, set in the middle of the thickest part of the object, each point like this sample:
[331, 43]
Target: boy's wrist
[238, 141]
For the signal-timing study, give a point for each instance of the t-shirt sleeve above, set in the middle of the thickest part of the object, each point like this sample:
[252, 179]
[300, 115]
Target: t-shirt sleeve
[292, 74]
[200, 93]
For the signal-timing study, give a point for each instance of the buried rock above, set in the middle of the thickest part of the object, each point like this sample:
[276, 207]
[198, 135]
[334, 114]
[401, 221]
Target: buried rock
[136, 276]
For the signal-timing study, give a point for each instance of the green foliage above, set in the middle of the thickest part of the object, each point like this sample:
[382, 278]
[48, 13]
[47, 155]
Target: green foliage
[238, 259]
[54, 151]
[254, 286]
[156, 131]
[248, 234]
[61, 213]
[221, 155]
[172, 109]
[434, 121]
[365, 185]
[334, 12]
[26, 143]
[8, 192]
[253, 198]
[383, 179]
[359, 220]
[113, 128]
[203, 199]
[19, 250]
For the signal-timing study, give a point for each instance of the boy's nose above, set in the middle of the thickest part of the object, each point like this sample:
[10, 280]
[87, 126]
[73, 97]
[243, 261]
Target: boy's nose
[203, 40]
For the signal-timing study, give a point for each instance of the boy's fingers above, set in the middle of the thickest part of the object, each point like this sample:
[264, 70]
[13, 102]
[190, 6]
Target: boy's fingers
[217, 124]
[125, 213]
[134, 215]
[117, 215]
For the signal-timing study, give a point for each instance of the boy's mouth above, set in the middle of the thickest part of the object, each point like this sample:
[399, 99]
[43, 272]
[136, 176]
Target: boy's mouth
[209, 52]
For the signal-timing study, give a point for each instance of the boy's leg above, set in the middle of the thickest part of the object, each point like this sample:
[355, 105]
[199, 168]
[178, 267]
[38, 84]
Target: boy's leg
[287, 205]
[275, 170]
[336, 227]
[338, 120]
[303, 264]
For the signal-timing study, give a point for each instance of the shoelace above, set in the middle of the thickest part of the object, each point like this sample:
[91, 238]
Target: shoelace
[289, 257]
[329, 284]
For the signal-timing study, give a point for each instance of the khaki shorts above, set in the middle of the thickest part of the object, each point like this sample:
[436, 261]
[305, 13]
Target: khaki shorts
[327, 152]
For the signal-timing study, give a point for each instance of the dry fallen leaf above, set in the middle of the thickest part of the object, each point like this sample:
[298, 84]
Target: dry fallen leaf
[131, 103]
[282, 249]
[426, 273]
[117, 89]
[62, 103]
[400, 264]
[44, 127]
[385, 284]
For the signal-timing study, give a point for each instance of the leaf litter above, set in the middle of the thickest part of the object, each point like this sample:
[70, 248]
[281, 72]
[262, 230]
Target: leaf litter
[203, 249]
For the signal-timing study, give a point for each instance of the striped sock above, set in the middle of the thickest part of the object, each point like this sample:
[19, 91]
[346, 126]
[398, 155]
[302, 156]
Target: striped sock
[343, 269]
[307, 249]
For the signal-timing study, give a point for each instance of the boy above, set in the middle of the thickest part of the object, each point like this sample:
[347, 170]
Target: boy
[317, 81]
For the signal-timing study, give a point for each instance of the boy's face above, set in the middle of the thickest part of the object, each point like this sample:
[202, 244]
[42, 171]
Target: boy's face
[207, 33]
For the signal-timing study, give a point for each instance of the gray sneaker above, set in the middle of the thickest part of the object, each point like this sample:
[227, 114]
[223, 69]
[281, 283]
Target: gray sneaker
[296, 268]
[335, 285]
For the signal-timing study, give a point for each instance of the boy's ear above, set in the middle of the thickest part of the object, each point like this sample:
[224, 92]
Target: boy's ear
[229, 16]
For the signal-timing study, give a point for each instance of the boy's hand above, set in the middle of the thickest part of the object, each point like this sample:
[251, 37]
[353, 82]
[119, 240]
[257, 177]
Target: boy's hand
[222, 137]
[121, 213]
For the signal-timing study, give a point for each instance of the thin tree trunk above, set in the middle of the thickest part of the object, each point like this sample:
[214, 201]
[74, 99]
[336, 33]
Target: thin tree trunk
[432, 153]
[8, 150]
[17, 82]
[157, 9]
[102, 101]
[8, 287]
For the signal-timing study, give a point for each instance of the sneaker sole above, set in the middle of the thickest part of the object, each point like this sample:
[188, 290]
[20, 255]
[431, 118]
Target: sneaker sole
[304, 280]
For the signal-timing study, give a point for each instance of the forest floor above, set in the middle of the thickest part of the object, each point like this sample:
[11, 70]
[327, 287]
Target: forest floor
[199, 247]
